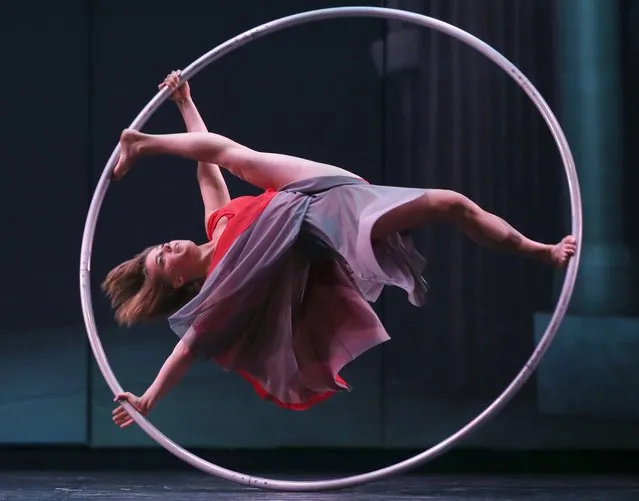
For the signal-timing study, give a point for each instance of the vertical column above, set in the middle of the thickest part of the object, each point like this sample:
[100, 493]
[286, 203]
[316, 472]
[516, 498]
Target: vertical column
[589, 34]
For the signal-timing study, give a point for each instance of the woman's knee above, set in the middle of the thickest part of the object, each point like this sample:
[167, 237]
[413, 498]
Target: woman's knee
[434, 206]
[447, 204]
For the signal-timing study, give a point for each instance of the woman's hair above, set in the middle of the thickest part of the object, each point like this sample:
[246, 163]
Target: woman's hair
[135, 297]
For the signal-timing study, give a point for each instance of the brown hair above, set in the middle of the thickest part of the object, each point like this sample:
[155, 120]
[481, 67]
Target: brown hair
[136, 298]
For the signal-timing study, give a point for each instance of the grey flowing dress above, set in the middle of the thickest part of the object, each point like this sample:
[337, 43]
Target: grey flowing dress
[288, 304]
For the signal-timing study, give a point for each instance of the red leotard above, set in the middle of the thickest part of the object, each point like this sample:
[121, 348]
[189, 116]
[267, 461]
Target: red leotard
[240, 214]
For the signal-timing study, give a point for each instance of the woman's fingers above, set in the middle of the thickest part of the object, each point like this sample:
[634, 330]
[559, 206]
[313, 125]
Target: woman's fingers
[120, 414]
[122, 418]
[124, 396]
[172, 81]
[128, 397]
[129, 422]
[166, 83]
[124, 422]
[175, 76]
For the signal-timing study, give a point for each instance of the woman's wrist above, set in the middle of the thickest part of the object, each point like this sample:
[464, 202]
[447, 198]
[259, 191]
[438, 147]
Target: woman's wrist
[183, 103]
[145, 404]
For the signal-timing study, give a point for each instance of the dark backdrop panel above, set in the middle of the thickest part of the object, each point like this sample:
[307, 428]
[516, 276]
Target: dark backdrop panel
[457, 121]
[630, 78]
[43, 196]
[78, 72]
[469, 128]
[311, 91]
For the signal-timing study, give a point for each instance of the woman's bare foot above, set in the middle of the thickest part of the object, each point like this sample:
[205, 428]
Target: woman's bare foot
[559, 254]
[129, 151]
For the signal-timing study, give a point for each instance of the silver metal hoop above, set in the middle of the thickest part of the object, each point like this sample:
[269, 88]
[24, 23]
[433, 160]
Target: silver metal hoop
[495, 406]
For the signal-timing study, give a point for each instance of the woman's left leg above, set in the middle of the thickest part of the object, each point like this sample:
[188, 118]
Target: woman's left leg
[483, 227]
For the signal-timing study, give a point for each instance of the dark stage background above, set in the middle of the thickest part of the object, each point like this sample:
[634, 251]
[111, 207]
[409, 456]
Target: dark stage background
[397, 105]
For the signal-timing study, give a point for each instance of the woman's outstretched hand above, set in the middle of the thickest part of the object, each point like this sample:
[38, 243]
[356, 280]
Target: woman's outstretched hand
[120, 415]
[181, 90]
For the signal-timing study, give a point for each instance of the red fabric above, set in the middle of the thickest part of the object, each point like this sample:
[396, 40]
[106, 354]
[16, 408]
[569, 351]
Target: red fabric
[316, 399]
[240, 213]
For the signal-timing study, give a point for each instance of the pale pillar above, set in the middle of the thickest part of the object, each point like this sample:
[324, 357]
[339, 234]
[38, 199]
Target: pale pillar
[588, 42]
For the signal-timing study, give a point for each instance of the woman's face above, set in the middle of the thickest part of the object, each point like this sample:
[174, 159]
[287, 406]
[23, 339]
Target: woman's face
[174, 261]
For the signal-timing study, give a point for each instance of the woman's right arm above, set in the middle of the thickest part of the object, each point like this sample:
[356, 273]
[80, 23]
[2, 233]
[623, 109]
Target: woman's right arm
[213, 188]
[173, 370]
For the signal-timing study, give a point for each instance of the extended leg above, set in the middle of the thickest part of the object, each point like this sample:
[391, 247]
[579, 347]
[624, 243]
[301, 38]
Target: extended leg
[264, 170]
[483, 227]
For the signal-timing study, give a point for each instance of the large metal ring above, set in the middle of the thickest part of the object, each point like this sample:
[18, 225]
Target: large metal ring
[494, 407]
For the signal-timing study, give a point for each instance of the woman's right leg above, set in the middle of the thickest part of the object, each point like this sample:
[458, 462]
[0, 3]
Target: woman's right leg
[264, 170]
[486, 229]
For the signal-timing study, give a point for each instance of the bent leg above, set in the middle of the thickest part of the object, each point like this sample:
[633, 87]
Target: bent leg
[264, 170]
[483, 227]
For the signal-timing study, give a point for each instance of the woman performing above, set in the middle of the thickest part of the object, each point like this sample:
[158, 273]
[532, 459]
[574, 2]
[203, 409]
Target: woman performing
[280, 293]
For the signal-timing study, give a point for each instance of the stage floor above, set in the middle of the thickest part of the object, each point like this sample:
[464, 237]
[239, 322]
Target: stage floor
[122, 485]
